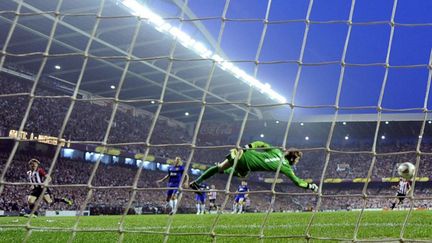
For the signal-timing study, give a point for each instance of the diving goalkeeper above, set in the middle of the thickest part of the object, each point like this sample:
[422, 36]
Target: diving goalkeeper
[258, 156]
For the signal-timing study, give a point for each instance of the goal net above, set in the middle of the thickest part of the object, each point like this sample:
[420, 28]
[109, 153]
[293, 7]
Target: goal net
[106, 94]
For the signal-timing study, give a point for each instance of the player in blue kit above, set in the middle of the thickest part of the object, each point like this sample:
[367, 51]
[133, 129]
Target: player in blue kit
[240, 198]
[175, 173]
[200, 198]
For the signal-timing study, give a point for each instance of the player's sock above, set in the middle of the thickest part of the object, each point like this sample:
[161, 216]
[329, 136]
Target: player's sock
[27, 211]
[31, 206]
[240, 209]
[175, 205]
[198, 208]
[202, 208]
[393, 205]
[171, 204]
[207, 174]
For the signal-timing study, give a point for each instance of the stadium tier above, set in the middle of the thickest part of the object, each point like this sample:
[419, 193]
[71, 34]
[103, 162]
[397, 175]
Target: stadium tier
[272, 121]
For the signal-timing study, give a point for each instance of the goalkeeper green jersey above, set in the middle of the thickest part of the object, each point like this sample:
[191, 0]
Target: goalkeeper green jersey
[264, 159]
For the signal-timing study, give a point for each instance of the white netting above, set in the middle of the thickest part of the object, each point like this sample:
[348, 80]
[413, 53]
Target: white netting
[125, 59]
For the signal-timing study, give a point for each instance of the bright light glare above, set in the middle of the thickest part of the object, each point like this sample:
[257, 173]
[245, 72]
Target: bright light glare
[161, 25]
[261, 135]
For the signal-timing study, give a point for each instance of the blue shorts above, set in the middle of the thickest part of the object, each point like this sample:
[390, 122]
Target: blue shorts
[171, 192]
[200, 198]
[239, 198]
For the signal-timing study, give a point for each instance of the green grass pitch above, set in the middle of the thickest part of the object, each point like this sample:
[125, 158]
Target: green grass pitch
[377, 225]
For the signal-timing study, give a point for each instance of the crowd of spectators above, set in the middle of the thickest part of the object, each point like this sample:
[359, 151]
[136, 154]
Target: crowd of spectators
[110, 179]
[89, 122]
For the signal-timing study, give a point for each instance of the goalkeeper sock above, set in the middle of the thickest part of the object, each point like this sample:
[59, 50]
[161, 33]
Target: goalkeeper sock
[207, 174]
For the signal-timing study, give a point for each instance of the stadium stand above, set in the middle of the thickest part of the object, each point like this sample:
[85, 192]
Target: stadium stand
[47, 115]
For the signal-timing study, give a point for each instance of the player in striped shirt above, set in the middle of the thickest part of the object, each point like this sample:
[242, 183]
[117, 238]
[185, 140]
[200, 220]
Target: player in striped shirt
[175, 173]
[404, 187]
[36, 176]
[258, 156]
[212, 198]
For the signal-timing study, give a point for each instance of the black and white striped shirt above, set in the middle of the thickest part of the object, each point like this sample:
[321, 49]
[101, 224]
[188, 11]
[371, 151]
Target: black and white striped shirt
[36, 176]
[404, 186]
[212, 194]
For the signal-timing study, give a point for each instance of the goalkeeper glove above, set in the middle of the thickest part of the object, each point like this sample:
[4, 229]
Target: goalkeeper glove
[313, 187]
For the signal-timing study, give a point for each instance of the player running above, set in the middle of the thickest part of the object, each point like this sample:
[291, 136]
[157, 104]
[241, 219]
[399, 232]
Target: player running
[174, 176]
[200, 198]
[404, 187]
[37, 175]
[240, 198]
[267, 159]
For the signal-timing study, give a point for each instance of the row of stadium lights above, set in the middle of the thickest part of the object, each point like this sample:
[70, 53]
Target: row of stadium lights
[199, 48]
[347, 136]
[343, 123]
[58, 67]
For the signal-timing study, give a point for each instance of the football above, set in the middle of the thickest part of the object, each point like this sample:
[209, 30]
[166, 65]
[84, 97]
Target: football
[406, 170]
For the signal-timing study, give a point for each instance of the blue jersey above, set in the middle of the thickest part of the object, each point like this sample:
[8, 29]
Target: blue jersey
[203, 187]
[175, 174]
[243, 189]
[201, 197]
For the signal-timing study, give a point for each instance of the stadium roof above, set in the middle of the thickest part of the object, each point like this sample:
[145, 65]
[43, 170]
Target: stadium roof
[403, 97]
[146, 73]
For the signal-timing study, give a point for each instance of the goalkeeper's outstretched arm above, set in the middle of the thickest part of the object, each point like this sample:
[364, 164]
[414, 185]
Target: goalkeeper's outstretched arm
[292, 157]
[296, 180]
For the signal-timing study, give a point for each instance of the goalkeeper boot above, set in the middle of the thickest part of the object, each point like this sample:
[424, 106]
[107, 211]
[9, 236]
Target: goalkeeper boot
[194, 186]
[67, 201]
